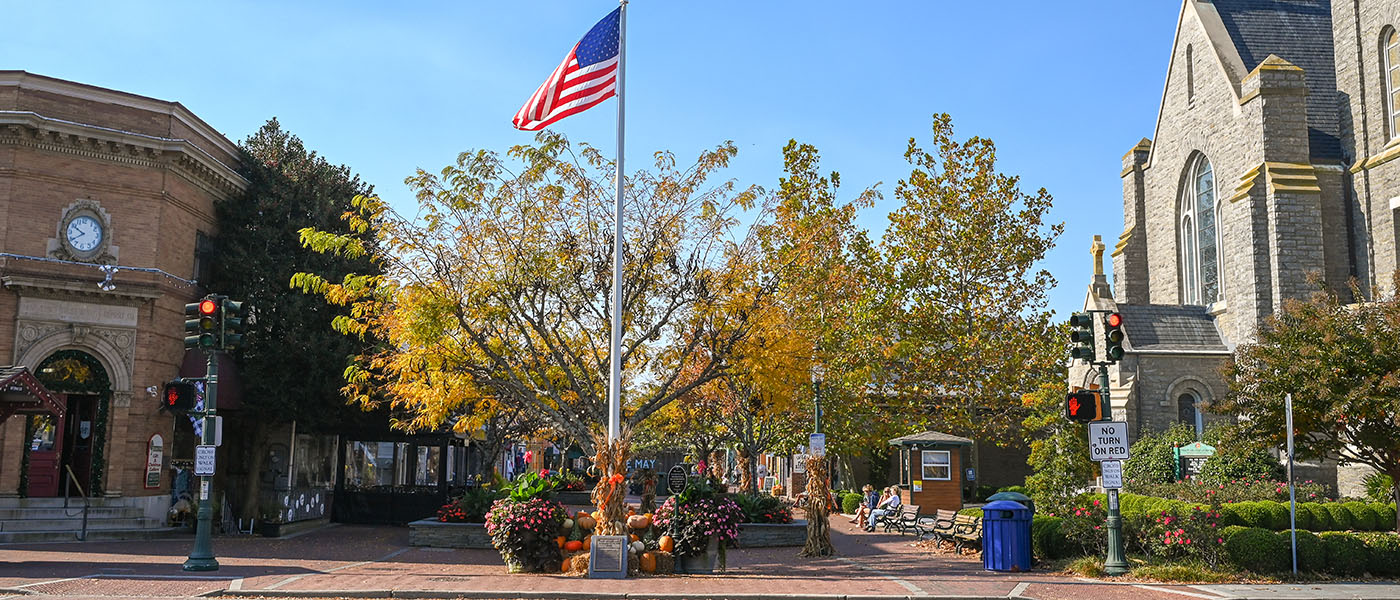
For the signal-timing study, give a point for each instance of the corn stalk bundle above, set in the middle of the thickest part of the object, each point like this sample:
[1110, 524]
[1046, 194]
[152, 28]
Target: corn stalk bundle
[608, 495]
[818, 498]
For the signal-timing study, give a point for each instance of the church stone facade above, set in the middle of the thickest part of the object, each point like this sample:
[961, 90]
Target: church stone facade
[1272, 163]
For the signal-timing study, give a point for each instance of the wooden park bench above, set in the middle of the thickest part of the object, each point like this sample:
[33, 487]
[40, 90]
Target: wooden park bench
[938, 528]
[967, 530]
[902, 520]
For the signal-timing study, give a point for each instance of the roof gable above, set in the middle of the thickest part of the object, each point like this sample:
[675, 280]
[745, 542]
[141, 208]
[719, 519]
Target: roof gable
[1300, 32]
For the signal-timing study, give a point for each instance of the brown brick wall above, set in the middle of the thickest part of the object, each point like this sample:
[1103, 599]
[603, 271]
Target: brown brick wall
[155, 209]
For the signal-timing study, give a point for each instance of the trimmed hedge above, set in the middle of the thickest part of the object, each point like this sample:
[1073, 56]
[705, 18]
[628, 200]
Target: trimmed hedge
[1046, 539]
[1341, 518]
[1312, 556]
[1256, 549]
[1363, 517]
[1346, 553]
[976, 512]
[1384, 557]
[1322, 518]
[850, 503]
[1385, 516]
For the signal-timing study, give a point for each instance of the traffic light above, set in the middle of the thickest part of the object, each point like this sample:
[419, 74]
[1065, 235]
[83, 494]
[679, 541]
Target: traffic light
[231, 318]
[1083, 407]
[192, 325]
[179, 396]
[1113, 337]
[202, 323]
[1081, 335]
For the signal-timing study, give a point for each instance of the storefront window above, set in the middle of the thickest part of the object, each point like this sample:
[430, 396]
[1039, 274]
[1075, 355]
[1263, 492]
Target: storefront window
[315, 461]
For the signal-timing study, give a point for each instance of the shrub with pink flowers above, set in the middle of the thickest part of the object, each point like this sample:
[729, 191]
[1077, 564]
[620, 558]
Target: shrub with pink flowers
[697, 515]
[523, 532]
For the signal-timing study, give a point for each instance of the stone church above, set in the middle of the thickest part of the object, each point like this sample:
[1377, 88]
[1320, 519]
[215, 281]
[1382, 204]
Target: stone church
[1272, 159]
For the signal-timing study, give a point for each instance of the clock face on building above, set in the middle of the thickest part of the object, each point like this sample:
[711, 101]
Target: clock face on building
[84, 233]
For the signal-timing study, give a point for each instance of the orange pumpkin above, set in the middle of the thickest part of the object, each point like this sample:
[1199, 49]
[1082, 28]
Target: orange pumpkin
[586, 522]
[638, 522]
[666, 544]
[573, 546]
[588, 542]
[633, 538]
[568, 562]
[648, 562]
[559, 541]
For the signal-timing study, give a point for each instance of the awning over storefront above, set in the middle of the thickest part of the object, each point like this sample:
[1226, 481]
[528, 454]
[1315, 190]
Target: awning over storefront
[230, 386]
[21, 393]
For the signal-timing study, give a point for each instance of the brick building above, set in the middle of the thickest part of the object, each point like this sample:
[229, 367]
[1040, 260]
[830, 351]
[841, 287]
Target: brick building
[91, 177]
[1271, 160]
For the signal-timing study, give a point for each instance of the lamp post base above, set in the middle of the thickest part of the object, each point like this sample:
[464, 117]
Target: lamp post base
[201, 564]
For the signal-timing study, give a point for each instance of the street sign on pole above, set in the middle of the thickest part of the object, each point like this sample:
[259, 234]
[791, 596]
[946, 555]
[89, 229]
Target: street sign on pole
[1112, 474]
[1108, 440]
[204, 460]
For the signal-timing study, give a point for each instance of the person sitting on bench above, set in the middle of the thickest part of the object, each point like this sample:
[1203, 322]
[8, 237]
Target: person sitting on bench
[887, 506]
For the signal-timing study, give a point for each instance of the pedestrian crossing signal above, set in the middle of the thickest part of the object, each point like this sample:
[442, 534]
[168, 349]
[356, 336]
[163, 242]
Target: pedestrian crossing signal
[179, 396]
[1083, 407]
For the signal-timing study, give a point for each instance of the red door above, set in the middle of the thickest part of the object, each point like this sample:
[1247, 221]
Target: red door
[45, 454]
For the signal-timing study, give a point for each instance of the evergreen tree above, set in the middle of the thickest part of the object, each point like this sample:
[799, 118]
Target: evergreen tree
[291, 360]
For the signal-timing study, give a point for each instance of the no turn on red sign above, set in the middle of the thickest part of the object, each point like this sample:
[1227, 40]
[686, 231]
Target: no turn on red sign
[1108, 440]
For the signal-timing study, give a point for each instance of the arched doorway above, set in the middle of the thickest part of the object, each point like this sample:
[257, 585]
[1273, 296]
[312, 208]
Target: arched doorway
[75, 442]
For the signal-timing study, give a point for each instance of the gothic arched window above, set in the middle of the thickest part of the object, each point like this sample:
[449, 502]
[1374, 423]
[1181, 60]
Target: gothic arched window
[1199, 235]
[1390, 62]
[1188, 411]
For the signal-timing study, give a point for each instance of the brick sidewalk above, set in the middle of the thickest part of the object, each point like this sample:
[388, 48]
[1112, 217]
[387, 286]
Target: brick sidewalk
[376, 562]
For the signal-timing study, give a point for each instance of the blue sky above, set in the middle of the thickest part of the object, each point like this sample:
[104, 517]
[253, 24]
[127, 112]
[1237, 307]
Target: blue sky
[387, 87]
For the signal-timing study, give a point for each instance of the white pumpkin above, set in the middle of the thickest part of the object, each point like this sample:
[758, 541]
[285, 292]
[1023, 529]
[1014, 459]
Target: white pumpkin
[638, 547]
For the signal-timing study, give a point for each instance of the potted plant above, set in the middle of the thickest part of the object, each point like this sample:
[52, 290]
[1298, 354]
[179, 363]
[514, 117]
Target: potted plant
[523, 526]
[702, 523]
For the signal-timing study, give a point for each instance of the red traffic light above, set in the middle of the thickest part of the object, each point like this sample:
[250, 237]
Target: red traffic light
[1114, 320]
[172, 396]
[207, 306]
[1083, 407]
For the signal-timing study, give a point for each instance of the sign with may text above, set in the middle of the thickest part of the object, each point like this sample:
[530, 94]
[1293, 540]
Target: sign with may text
[1108, 440]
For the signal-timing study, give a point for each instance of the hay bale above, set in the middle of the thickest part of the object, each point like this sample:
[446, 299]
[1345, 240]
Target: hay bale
[580, 565]
[665, 563]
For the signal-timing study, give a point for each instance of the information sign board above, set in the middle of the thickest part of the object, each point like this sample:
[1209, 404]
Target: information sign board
[1108, 440]
[1112, 474]
[607, 557]
[204, 460]
[816, 444]
[676, 479]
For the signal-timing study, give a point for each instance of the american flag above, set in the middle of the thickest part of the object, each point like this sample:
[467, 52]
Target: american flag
[587, 77]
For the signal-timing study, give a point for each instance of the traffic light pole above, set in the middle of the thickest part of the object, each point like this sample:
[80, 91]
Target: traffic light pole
[1114, 563]
[202, 556]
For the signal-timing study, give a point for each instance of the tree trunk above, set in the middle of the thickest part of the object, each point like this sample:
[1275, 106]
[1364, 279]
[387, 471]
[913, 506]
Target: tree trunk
[257, 451]
[1395, 496]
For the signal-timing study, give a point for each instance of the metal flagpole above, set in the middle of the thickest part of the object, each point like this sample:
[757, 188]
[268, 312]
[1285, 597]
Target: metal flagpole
[1292, 495]
[615, 379]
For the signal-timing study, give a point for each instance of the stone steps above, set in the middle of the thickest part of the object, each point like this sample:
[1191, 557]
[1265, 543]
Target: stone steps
[93, 535]
[31, 520]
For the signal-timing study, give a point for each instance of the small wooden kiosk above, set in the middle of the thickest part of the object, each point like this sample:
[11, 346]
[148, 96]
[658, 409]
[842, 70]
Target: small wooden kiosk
[929, 466]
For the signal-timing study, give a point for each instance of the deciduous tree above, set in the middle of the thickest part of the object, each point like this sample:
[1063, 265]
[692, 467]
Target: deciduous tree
[498, 290]
[969, 302]
[1341, 363]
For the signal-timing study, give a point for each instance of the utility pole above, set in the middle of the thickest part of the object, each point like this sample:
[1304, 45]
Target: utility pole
[1114, 563]
[202, 556]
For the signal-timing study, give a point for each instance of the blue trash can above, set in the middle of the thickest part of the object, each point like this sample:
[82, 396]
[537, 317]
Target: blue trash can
[1006, 536]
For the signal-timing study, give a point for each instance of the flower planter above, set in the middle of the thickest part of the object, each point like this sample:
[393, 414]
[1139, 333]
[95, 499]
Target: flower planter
[767, 535]
[436, 534]
[700, 564]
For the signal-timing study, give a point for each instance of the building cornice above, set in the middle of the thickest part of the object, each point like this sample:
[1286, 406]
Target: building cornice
[73, 89]
[29, 129]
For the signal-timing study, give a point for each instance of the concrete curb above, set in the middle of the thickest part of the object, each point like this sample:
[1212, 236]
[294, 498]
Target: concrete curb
[561, 595]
